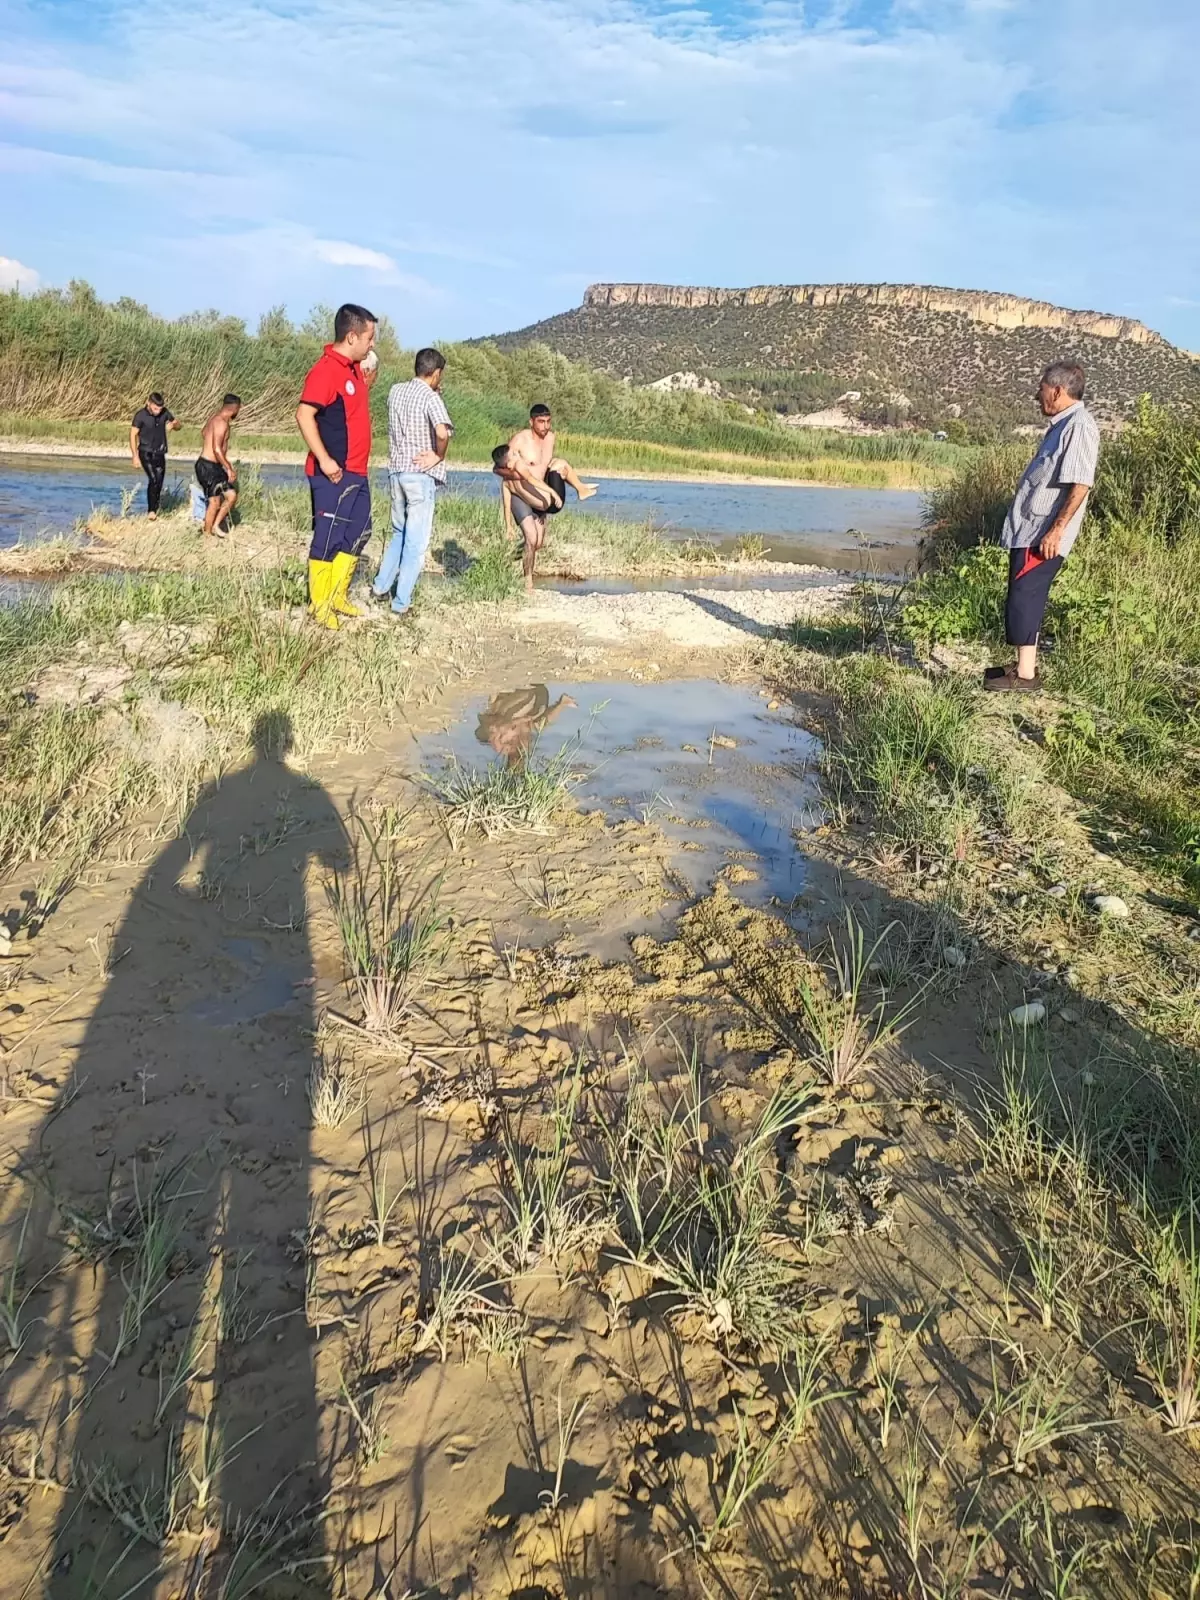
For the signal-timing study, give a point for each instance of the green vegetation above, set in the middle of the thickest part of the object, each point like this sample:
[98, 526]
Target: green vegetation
[1123, 628]
[939, 369]
[75, 369]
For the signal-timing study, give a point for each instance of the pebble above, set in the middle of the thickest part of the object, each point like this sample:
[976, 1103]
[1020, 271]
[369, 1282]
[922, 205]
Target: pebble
[1058, 892]
[1028, 1015]
[1194, 933]
[1110, 905]
[953, 956]
[5, 941]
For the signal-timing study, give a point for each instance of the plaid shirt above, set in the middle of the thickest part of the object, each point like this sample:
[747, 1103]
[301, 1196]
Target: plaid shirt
[414, 411]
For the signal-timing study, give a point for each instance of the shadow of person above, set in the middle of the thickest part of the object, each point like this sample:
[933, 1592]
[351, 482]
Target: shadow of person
[178, 1161]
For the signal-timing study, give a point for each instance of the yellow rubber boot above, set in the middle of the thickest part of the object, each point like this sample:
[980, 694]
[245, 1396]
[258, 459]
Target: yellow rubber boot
[343, 568]
[321, 579]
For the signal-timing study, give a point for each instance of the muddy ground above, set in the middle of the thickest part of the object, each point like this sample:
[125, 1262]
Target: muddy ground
[408, 1354]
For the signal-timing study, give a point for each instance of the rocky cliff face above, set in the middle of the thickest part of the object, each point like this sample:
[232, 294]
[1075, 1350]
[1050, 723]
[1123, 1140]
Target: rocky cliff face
[993, 310]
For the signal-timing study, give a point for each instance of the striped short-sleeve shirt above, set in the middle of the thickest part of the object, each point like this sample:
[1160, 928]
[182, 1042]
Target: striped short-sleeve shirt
[414, 412]
[1068, 454]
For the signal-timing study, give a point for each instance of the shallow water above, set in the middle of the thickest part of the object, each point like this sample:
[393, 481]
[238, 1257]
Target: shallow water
[48, 494]
[259, 987]
[726, 779]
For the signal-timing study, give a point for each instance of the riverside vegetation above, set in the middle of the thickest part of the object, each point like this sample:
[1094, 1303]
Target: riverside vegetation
[860, 1260]
[74, 369]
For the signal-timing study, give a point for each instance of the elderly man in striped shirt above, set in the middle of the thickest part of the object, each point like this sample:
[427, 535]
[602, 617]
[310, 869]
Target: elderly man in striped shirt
[419, 431]
[1044, 519]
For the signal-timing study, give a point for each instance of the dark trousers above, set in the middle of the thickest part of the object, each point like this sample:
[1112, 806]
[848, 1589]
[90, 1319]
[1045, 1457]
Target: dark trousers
[341, 515]
[154, 465]
[1029, 578]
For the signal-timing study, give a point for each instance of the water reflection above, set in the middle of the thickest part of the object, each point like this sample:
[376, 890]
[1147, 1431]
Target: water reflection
[512, 720]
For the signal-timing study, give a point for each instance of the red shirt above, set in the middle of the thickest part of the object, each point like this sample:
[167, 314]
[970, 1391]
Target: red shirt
[337, 388]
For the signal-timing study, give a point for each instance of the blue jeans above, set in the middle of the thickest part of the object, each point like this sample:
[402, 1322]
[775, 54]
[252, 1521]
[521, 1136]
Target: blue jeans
[413, 495]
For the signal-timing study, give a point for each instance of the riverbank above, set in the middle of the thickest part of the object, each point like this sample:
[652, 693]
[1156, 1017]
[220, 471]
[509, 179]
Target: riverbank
[601, 459]
[390, 1144]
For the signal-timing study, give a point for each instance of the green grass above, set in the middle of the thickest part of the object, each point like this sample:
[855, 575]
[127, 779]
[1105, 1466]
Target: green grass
[499, 799]
[913, 752]
[1123, 628]
[74, 369]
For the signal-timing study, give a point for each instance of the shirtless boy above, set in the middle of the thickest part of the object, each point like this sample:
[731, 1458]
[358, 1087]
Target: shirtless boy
[526, 503]
[216, 476]
[533, 450]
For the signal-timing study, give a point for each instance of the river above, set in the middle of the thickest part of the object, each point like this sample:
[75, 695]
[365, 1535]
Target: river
[43, 495]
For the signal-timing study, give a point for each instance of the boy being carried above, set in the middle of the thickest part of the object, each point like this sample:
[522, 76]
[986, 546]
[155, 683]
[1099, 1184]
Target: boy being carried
[526, 503]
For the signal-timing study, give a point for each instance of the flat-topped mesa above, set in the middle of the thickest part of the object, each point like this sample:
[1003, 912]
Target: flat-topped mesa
[993, 310]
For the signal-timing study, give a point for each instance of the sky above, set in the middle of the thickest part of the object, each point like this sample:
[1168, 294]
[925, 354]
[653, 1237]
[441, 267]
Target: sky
[469, 166]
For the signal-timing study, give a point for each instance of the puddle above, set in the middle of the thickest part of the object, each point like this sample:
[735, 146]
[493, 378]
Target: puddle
[727, 780]
[269, 988]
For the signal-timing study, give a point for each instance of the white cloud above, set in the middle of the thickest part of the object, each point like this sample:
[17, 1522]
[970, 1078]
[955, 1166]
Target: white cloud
[1002, 144]
[15, 275]
[340, 254]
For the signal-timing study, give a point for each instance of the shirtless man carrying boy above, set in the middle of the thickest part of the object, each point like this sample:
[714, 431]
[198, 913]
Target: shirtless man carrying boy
[215, 474]
[526, 503]
[533, 450]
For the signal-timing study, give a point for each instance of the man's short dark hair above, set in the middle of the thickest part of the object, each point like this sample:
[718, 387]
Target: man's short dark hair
[232, 400]
[351, 319]
[156, 399]
[538, 411]
[1068, 375]
[500, 455]
[428, 362]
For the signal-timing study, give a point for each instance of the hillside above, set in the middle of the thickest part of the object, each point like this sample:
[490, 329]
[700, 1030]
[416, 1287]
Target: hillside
[914, 353]
[75, 368]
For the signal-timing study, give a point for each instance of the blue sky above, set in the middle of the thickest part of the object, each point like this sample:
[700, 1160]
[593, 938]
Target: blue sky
[468, 166]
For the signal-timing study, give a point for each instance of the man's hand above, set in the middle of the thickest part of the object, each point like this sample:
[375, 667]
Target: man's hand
[331, 469]
[425, 460]
[1050, 542]
[135, 461]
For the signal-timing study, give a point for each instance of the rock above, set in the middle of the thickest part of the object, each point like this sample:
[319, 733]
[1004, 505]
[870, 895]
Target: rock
[1058, 892]
[5, 941]
[953, 956]
[1110, 905]
[1027, 1016]
[862, 1091]
[1194, 933]
[1069, 1014]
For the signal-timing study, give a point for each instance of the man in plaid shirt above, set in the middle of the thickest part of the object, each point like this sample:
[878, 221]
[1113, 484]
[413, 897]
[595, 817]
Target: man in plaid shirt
[419, 430]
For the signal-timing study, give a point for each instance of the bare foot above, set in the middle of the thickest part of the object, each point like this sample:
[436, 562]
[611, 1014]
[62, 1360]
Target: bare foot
[152, 516]
[587, 490]
[529, 583]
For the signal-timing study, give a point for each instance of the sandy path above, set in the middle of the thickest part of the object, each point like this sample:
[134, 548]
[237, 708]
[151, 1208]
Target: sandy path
[707, 618]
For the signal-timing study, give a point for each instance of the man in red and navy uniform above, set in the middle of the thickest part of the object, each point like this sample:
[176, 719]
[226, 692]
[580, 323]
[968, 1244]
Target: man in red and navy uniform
[334, 417]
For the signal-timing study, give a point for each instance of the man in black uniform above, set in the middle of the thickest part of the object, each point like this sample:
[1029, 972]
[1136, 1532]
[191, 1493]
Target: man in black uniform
[148, 446]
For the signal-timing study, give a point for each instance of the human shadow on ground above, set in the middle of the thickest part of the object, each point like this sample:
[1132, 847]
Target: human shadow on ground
[176, 1161]
[735, 619]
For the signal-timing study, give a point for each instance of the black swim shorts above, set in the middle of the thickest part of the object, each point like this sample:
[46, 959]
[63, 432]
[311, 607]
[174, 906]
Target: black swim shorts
[212, 477]
[555, 481]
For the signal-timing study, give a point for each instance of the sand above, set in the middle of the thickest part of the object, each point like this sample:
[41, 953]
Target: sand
[376, 1385]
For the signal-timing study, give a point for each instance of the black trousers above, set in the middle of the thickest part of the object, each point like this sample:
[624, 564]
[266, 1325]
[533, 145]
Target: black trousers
[154, 465]
[1029, 578]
